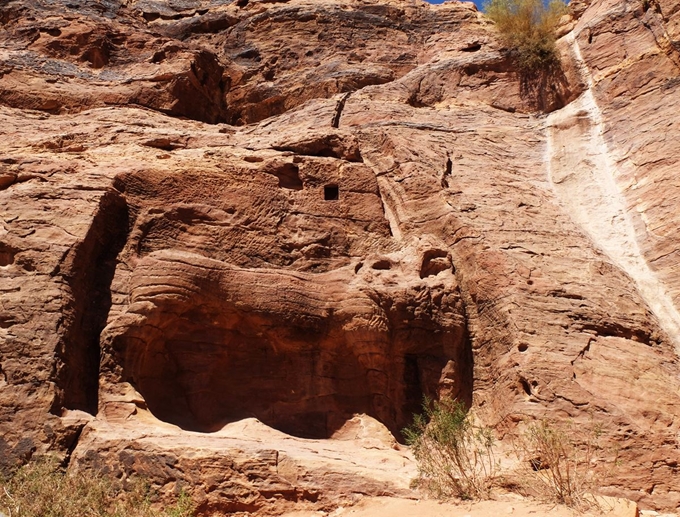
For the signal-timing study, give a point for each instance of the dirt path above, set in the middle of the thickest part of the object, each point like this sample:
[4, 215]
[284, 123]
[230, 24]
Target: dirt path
[511, 506]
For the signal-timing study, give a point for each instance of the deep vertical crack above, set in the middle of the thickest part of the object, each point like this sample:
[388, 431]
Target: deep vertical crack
[89, 269]
[338, 110]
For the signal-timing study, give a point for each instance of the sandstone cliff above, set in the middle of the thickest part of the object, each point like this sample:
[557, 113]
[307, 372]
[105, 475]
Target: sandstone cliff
[228, 228]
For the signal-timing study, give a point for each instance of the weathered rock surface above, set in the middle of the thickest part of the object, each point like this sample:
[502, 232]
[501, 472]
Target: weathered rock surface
[213, 305]
[247, 466]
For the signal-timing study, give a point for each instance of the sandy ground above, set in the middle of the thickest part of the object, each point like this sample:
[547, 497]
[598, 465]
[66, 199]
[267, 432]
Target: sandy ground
[516, 507]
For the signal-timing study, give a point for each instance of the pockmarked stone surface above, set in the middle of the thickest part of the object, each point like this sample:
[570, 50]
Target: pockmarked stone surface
[241, 241]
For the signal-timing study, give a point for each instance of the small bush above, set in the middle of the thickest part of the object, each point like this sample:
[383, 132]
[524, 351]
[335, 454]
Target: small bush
[455, 457]
[42, 489]
[556, 467]
[527, 28]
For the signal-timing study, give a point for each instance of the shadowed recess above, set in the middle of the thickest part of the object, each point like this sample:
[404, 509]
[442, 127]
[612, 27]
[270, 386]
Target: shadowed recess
[205, 367]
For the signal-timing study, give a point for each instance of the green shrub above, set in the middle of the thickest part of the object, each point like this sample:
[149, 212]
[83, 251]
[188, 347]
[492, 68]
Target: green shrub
[455, 457]
[527, 28]
[42, 489]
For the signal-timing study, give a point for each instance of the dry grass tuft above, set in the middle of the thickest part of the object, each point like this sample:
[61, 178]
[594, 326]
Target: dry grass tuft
[558, 465]
[42, 489]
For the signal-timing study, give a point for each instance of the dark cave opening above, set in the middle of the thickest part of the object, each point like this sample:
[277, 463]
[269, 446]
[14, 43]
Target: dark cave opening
[202, 371]
[205, 378]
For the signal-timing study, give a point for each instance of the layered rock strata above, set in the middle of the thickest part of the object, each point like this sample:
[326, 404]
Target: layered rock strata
[301, 212]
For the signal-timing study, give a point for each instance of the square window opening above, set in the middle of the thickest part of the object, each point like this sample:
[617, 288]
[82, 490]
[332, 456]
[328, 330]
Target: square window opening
[331, 193]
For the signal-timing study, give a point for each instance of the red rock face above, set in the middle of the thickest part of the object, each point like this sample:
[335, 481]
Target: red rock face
[300, 212]
[281, 318]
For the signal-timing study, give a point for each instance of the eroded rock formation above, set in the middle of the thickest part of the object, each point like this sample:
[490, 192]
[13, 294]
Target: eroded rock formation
[220, 218]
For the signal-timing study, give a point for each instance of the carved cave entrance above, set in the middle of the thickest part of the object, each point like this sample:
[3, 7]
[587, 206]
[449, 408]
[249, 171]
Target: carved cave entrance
[200, 370]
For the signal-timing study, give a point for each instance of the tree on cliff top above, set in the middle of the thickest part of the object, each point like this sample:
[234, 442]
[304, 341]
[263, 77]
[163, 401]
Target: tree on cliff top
[527, 28]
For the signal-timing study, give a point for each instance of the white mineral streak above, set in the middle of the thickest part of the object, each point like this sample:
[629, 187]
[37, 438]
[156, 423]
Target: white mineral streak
[582, 172]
